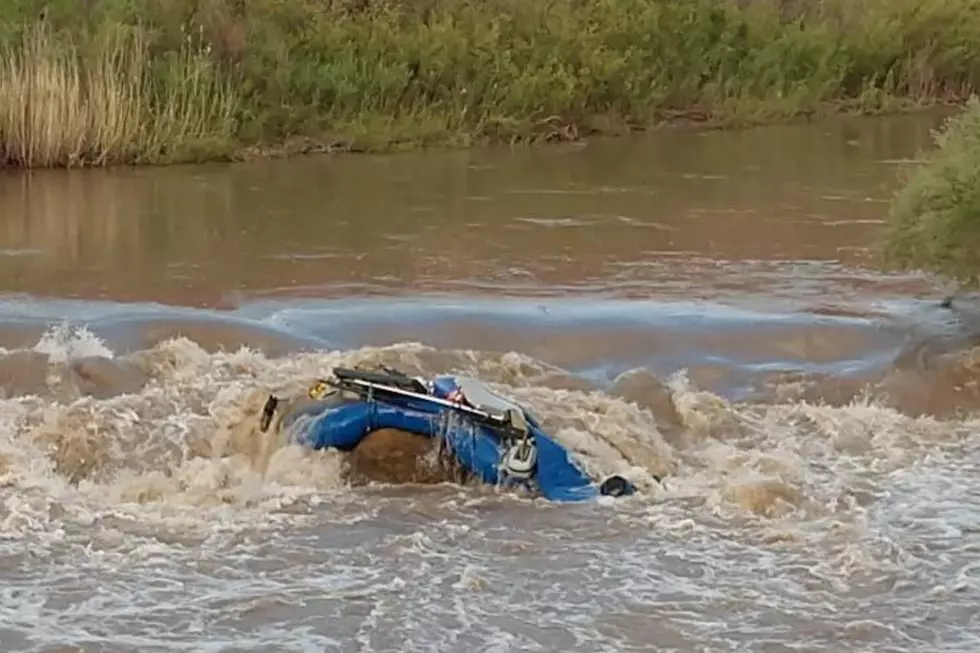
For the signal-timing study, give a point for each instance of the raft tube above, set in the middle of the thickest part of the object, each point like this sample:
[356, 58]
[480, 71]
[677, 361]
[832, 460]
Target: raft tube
[341, 423]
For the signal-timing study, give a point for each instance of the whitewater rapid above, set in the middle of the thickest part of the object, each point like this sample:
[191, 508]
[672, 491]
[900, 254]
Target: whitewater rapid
[141, 510]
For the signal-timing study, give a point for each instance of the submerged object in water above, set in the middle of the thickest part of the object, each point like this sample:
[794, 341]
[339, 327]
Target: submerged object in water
[490, 437]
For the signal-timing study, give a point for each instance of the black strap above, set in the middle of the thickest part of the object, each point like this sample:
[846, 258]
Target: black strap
[388, 377]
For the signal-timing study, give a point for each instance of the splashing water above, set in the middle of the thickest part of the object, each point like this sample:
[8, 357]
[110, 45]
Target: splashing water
[819, 456]
[141, 511]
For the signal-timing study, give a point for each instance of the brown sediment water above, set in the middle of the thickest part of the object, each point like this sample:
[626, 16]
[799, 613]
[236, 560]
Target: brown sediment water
[698, 306]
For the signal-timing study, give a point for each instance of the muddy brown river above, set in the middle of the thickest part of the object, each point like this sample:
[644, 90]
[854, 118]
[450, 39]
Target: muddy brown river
[703, 307]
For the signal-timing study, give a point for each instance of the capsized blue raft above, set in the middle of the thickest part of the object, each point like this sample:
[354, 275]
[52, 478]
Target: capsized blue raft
[492, 438]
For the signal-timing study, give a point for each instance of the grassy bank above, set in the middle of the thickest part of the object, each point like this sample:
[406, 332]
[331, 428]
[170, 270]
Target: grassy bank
[106, 81]
[934, 219]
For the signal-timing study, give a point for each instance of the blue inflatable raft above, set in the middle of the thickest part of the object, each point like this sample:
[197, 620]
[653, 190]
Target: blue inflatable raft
[491, 438]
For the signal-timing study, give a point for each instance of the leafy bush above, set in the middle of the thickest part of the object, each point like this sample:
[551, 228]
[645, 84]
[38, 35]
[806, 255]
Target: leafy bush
[935, 217]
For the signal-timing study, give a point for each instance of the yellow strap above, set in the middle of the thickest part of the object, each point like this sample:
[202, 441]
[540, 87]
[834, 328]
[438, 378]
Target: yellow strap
[318, 390]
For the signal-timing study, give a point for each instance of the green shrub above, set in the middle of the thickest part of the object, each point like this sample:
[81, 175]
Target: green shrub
[935, 218]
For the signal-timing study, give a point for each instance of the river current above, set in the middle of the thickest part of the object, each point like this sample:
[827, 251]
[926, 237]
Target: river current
[698, 306]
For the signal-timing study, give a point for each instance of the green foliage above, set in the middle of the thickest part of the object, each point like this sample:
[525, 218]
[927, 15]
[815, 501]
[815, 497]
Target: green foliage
[935, 217]
[373, 74]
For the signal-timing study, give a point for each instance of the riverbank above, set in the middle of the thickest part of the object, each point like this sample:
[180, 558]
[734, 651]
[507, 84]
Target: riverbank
[100, 83]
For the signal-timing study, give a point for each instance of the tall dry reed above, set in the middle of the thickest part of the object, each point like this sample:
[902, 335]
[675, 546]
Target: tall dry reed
[99, 98]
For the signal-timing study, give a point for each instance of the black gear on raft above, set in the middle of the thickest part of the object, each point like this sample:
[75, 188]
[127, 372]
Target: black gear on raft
[614, 486]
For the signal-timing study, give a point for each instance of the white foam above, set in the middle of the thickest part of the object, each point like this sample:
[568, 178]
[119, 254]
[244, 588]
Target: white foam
[66, 342]
[768, 509]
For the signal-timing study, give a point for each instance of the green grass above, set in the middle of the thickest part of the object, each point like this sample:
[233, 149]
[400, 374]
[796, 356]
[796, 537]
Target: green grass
[934, 219]
[282, 75]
